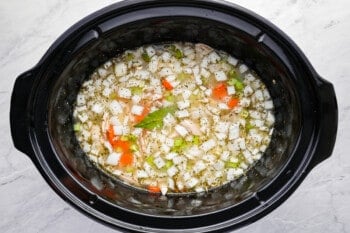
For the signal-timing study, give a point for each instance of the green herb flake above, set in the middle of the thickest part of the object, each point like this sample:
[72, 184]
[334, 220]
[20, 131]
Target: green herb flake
[154, 120]
[145, 57]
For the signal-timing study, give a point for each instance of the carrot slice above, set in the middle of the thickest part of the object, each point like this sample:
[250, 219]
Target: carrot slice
[124, 146]
[139, 118]
[219, 92]
[153, 189]
[167, 85]
[232, 102]
[126, 159]
[110, 134]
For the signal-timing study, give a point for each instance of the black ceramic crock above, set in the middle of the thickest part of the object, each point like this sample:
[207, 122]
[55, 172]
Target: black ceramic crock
[305, 110]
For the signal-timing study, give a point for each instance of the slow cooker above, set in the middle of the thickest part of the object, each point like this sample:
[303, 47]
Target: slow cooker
[305, 111]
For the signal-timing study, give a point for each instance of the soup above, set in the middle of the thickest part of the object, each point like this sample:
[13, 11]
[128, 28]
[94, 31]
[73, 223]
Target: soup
[177, 117]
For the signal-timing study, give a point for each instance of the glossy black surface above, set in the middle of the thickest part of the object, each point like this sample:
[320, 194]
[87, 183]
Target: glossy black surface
[305, 108]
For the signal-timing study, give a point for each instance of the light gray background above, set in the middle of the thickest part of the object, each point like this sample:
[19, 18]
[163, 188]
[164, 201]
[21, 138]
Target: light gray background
[320, 27]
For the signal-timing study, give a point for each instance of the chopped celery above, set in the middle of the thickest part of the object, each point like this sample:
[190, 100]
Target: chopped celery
[204, 80]
[113, 95]
[189, 166]
[235, 80]
[193, 97]
[239, 86]
[136, 90]
[240, 95]
[232, 81]
[179, 144]
[223, 60]
[244, 114]
[124, 138]
[130, 169]
[134, 147]
[177, 53]
[132, 138]
[182, 76]
[77, 127]
[169, 97]
[145, 57]
[150, 160]
[241, 157]
[249, 126]
[196, 140]
[129, 137]
[130, 56]
[231, 165]
[232, 74]
[168, 164]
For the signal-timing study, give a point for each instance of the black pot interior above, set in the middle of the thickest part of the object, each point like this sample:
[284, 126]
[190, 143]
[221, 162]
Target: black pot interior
[99, 47]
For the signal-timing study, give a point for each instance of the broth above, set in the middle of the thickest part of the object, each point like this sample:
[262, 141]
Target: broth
[174, 117]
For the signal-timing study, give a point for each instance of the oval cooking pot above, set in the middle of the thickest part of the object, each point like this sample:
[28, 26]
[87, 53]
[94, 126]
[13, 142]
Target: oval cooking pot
[305, 110]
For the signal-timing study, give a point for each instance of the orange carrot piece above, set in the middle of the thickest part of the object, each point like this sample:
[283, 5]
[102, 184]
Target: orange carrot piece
[126, 159]
[124, 146]
[153, 189]
[219, 92]
[167, 85]
[139, 118]
[110, 134]
[233, 102]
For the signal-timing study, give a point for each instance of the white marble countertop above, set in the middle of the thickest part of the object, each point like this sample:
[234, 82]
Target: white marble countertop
[320, 27]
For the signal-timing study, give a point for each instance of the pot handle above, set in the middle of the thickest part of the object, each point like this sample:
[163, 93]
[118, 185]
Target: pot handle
[327, 131]
[20, 112]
